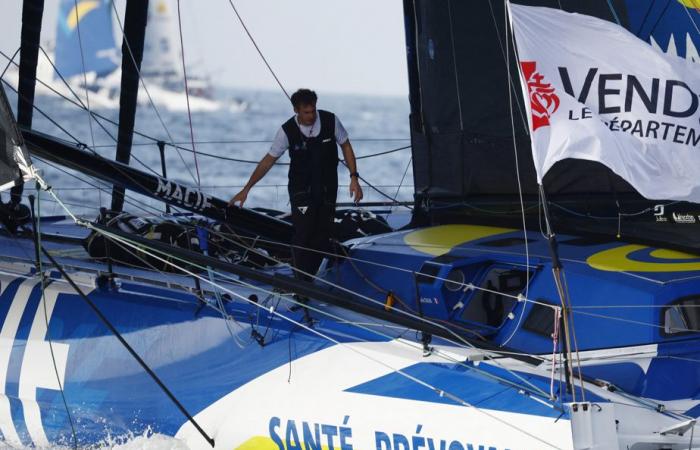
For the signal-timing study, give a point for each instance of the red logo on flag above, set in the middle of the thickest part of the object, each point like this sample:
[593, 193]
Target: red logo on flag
[543, 101]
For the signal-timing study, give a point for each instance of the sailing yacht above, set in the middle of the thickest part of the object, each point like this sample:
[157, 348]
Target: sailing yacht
[87, 55]
[545, 294]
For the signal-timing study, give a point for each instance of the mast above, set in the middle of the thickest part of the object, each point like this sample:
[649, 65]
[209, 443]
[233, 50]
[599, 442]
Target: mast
[32, 14]
[132, 54]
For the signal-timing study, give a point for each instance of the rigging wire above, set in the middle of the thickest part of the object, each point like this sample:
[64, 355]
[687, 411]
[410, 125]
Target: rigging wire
[177, 145]
[145, 88]
[140, 249]
[94, 116]
[130, 349]
[342, 288]
[82, 61]
[507, 27]
[512, 85]
[408, 313]
[251, 161]
[135, 203]
[400, 372]
[463, 285]
[398, 188]
[413, 345]
[36, 222]
[187, 92]
[379, 191]
[10, 62]
[255, 44]
[250, 141]
[614, 13]
[89, 225]
[454, 66]
[631, 321]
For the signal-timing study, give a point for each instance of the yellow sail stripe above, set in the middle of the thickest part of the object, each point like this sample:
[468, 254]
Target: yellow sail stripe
[79, 11]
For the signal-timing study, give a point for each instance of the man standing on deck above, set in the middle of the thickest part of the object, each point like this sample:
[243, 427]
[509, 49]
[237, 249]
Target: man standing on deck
[312, 137]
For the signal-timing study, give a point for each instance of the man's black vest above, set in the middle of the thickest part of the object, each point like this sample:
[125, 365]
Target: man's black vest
[313, 171]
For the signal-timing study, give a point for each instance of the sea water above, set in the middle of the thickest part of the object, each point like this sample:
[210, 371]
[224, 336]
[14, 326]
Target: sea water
[375, 124]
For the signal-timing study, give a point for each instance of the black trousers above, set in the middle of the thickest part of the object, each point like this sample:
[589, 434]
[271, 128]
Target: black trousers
[313, 225]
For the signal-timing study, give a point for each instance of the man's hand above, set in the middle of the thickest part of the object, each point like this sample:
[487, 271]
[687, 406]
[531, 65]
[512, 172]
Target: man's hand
[355, 190]
[239, 198]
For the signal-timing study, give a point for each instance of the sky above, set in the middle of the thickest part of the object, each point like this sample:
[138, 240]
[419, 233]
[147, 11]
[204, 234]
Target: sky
[333, 46]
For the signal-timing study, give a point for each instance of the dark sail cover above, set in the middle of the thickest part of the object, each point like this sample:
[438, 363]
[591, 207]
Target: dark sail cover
[12, 150]
[467, 116]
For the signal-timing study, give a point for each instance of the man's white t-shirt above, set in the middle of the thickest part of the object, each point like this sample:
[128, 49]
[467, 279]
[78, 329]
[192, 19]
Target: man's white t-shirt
[280, 144]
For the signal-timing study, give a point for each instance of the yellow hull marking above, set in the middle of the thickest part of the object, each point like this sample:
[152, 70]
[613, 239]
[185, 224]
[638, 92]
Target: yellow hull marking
[690, 3]
[617, 260]
[266, 443]
[443, 238]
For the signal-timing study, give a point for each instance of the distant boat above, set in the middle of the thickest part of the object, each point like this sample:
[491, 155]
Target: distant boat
[98, 67]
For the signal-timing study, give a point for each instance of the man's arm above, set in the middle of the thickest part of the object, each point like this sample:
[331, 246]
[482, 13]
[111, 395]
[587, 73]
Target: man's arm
[260, 170]
[349, 155]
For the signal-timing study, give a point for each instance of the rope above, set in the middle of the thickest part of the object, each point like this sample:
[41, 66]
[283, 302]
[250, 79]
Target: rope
[255, 44]
[250, 161]
[383, 194]
[250, 141]
[614, 13]
[398, 188]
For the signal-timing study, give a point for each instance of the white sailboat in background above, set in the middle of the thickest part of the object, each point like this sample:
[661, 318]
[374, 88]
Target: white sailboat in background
[94, 63]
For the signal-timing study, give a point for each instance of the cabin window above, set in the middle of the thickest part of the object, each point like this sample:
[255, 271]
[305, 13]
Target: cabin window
[541, 319]
[683, 316]
[491, 304]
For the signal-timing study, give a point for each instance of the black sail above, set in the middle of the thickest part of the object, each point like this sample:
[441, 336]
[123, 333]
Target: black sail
[462, 102]
[132, 53]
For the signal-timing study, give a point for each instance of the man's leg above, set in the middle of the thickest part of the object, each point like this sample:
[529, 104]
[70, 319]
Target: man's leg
[324, 228]
[303, 220]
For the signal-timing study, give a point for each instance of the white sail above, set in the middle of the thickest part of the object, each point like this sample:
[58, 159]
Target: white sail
[161, 55]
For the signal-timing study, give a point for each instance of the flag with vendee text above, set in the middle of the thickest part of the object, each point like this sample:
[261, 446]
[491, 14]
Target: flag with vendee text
[597, 92]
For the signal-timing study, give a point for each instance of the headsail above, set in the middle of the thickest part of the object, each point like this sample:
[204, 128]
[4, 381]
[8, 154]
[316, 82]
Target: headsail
[99, 50]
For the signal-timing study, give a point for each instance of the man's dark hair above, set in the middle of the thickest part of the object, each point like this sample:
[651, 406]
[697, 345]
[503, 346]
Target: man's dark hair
[303, 97]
